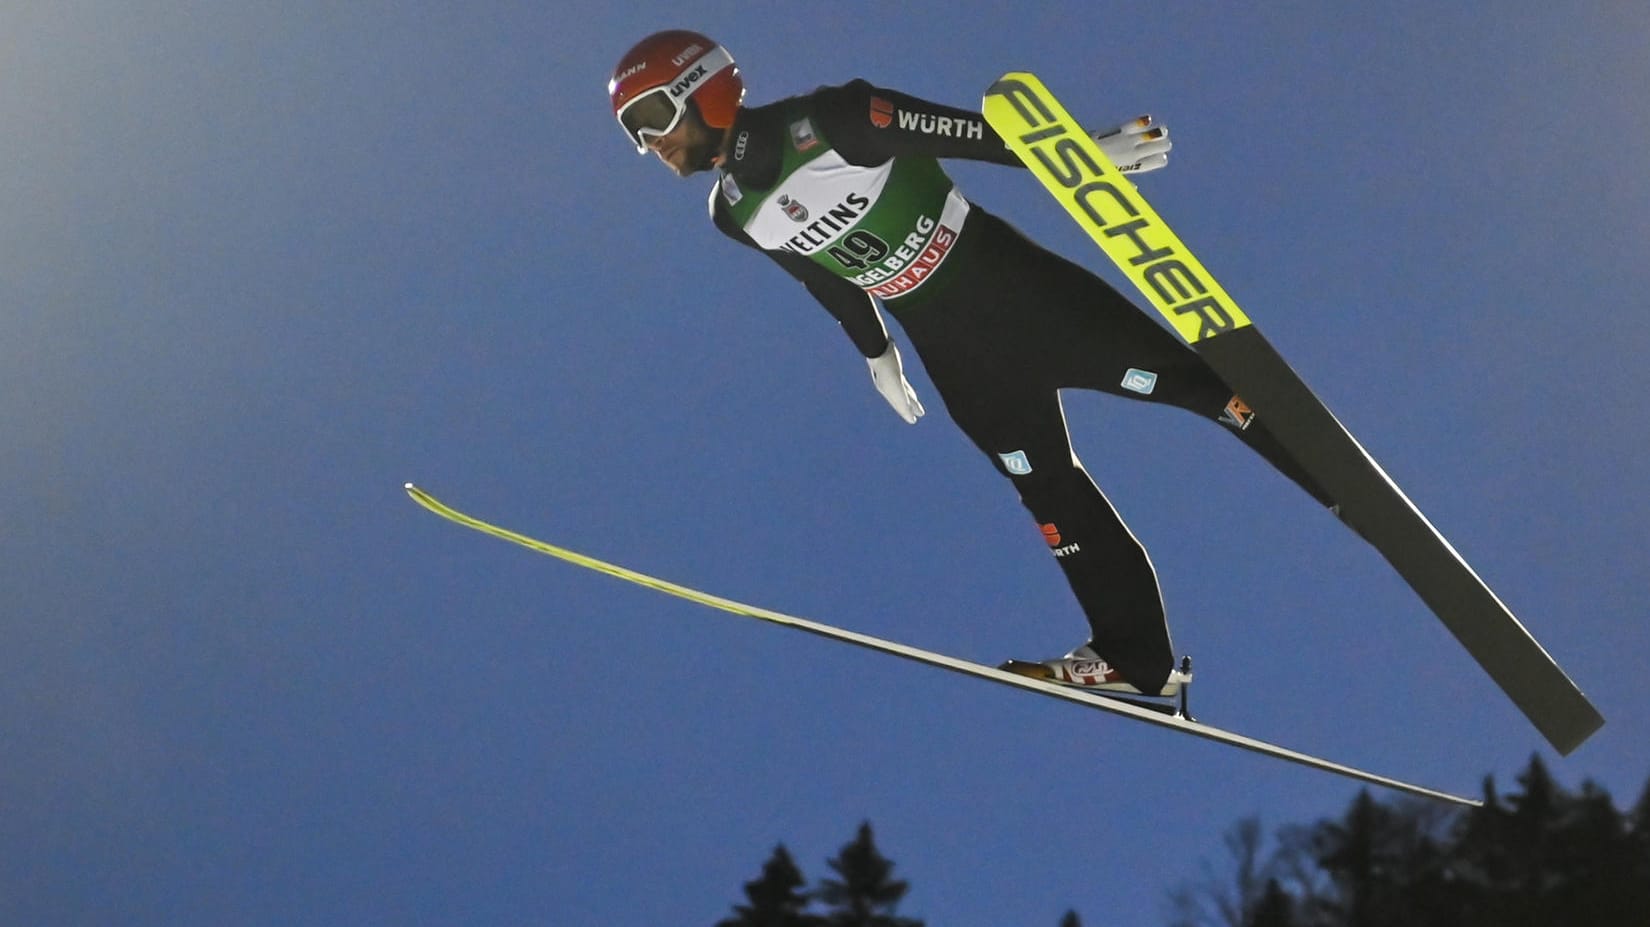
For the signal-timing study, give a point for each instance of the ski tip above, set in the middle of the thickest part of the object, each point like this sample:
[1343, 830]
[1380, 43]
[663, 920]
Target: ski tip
[409, 487]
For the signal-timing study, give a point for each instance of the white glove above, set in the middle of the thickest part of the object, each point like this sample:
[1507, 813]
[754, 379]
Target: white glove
[889, 377]
[1136, 146]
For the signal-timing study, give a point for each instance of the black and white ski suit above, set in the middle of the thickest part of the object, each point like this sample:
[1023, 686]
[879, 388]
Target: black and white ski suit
[842, 188]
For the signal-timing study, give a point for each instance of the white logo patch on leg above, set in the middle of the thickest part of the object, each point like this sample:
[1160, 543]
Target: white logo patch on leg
[1016, 463]
[1140, 381]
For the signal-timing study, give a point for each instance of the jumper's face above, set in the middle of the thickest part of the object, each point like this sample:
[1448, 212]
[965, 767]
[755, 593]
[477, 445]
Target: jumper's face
[687, 145]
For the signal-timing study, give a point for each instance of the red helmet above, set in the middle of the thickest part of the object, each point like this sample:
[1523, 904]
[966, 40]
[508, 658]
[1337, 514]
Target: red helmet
[653, 82]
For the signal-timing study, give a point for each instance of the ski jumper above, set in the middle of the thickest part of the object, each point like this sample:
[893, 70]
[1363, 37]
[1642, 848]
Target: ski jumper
[843, 188]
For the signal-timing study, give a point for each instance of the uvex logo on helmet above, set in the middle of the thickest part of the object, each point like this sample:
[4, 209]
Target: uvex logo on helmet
[653, 82]
[684, 85]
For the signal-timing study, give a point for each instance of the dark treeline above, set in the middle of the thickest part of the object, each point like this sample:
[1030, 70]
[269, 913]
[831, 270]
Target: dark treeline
[863, 894]
[1538, 855]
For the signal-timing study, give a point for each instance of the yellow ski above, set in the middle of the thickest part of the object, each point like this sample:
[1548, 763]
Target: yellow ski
[1109, 208]
[1117, 706]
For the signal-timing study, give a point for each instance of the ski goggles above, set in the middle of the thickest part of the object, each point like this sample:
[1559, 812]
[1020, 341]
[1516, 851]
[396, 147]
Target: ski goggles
[659, 111]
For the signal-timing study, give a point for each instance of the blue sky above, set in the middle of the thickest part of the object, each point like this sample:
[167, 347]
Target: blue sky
[259, 268]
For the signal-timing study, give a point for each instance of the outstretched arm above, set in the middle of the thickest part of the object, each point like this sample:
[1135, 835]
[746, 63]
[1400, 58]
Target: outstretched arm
[869, 124]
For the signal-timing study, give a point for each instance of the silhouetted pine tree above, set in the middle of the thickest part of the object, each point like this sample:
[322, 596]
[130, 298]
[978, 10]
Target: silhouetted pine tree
[1386, 864]
[1274, 908]
[1593, 859]
[864, 894]
[1510, 851]
[1537, 857]
[776, 899]
[1359, 854]
[1636, 894]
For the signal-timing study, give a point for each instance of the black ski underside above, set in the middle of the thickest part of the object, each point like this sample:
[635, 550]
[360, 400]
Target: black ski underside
[1375, 507]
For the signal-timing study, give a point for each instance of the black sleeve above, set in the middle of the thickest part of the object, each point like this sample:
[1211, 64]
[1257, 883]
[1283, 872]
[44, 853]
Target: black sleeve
[868, 125]
[850, 305]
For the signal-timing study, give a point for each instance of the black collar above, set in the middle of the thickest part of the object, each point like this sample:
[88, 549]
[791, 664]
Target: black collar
[755, 147]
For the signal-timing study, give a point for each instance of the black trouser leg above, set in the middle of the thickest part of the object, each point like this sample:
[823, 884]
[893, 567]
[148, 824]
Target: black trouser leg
[1108, 570]
[1015, 326]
